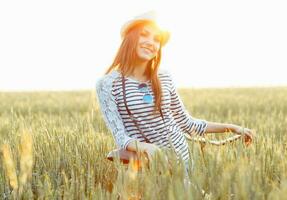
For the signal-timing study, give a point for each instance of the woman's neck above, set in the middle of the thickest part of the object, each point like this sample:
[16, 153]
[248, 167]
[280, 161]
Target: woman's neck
[139, 71]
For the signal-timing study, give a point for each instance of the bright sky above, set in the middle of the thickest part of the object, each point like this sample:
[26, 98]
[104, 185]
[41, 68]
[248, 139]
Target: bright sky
[66, 45]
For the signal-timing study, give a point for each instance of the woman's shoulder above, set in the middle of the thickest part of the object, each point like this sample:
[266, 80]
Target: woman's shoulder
[107, 79]
[164, 73]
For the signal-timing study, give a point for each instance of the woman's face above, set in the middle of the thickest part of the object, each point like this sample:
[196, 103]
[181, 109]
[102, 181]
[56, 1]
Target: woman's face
[148, 43]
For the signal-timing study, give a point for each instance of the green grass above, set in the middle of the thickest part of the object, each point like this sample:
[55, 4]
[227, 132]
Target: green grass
[70, 142]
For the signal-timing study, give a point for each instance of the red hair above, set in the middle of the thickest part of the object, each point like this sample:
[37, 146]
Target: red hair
[126, 57]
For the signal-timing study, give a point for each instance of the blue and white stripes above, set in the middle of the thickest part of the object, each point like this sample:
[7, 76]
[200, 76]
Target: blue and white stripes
[167, 133]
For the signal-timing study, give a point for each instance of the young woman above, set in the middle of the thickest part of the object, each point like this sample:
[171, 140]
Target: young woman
[140, 103]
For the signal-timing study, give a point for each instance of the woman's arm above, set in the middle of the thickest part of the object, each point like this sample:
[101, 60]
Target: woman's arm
[192, 125]
[214, 127]
[110, 112]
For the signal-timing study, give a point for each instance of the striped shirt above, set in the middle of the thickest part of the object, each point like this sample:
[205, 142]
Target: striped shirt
[165, 133]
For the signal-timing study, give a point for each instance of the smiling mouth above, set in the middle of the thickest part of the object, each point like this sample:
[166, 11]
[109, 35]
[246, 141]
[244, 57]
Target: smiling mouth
[148, 49]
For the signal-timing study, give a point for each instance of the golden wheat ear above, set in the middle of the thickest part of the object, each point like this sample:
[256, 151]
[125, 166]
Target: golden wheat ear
[26, 158]
[9, 166]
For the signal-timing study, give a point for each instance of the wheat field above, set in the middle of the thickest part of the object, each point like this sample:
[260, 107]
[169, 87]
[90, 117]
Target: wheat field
[54, 146]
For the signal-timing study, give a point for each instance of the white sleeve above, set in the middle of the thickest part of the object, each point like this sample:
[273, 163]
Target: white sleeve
[110, 111]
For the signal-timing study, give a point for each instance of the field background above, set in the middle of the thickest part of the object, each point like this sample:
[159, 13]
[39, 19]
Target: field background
[70, 142]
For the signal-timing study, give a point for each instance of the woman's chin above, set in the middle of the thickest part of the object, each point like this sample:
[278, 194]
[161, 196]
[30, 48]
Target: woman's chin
[145, 58]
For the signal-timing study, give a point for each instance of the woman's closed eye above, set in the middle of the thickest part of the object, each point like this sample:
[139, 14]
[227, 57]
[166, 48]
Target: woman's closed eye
[156, 37]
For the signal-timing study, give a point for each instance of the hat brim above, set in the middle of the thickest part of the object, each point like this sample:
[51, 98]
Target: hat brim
[165, 35]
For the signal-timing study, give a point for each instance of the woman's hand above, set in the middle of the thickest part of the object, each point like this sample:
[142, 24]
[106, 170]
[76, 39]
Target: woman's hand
[142, 147]
[246, 133]
[150, 150]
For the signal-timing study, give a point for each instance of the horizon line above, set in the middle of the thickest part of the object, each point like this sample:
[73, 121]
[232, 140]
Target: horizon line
[179, 88]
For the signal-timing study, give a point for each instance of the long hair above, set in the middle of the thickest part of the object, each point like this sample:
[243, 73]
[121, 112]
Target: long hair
[126, 57]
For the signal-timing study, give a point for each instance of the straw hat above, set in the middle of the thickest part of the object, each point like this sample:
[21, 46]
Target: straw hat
[145, 17]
